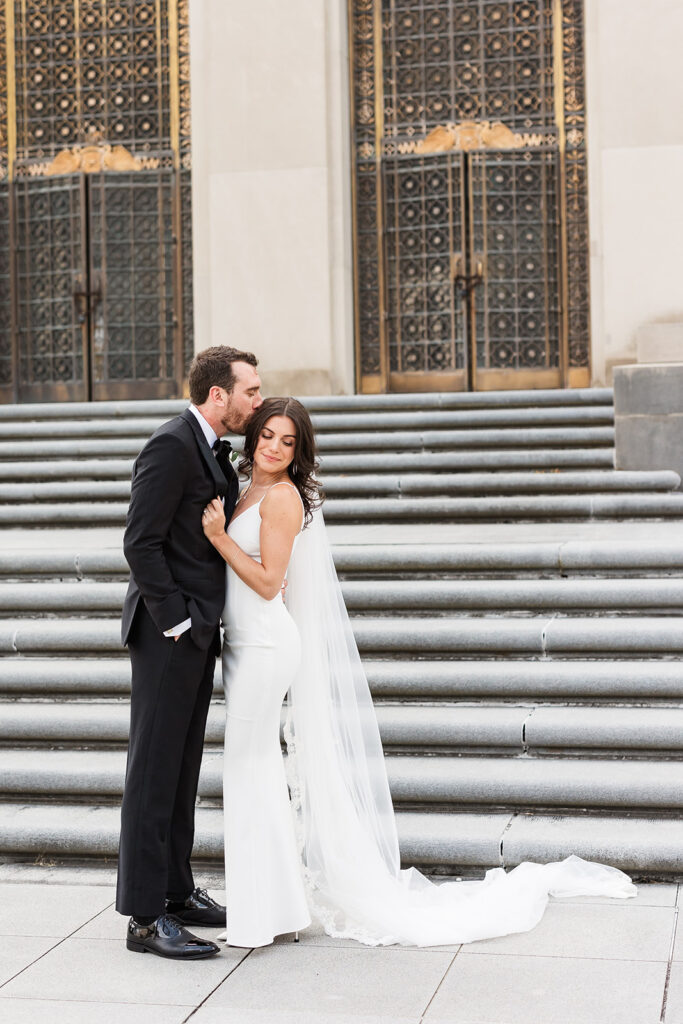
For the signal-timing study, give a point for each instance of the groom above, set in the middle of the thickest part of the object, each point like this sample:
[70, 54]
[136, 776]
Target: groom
[170, 623]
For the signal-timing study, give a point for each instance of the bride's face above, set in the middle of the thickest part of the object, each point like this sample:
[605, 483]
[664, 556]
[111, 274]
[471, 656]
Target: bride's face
[276, 445]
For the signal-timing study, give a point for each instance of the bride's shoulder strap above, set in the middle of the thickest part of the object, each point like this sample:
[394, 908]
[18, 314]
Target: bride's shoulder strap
[286, 483]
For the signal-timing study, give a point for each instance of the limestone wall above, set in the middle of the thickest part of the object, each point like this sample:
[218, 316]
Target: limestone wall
[271, 188]
[635, 153]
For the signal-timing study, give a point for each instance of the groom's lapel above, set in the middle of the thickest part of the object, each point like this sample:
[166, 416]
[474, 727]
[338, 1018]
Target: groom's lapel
[206, 453]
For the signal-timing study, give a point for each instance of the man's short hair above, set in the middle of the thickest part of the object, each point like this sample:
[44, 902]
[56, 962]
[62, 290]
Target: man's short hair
[213, 367]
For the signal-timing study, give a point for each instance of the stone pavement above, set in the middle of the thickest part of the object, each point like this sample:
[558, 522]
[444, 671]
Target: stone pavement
[63, 961]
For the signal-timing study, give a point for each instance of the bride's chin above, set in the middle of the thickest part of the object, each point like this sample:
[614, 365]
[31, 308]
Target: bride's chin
[269, 468]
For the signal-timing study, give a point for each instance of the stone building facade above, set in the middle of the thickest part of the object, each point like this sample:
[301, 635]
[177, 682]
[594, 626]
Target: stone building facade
[373, 195]
[273, 174]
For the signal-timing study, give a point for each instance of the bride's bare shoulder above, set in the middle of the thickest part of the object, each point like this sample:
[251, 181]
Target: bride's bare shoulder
[282, 500]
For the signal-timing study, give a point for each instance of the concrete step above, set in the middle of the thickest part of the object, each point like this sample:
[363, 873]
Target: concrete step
[562, 558]
[166, 408]
[358, 560]
[493, 483]
[378, 440]
[409, 509]
[565, 506]
[392, 596]
[358, 485]
[513, 782]
[354, 421]
[497, 460]
[413, 728]
[457, 840]
[546, 637]
[522, 717]
[514, 678]
[418, 637]
[511, 595]
[409, 679]
[643, 845]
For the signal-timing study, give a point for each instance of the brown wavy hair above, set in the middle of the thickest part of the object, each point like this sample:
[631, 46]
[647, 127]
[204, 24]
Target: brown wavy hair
[304, 466]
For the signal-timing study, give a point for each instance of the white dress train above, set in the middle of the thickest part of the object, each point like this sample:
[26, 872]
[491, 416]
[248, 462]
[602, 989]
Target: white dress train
[337, 858]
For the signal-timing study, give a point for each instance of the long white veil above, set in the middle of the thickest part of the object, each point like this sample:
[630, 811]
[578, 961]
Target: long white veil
[342, 805]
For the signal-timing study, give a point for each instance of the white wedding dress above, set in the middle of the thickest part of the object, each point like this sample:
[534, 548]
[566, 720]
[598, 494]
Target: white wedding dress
[332, 853]
[263, 878]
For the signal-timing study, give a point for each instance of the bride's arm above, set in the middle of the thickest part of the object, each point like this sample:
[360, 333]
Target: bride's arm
[280, 523]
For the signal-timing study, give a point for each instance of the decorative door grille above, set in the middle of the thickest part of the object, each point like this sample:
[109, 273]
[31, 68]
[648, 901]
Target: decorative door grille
[470, 212]
[95, 265]
[425, 325]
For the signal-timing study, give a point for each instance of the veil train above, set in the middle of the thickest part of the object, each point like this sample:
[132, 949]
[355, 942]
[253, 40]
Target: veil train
[343, 810]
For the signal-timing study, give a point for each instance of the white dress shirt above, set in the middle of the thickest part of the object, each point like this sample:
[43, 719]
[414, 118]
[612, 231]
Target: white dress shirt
[211, 436]
[207, 429]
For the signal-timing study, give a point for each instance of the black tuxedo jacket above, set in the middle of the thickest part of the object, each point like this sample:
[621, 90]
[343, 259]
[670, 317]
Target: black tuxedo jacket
[175, 570]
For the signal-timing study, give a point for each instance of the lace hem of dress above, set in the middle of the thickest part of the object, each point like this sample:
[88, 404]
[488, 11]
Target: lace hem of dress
[320, 910]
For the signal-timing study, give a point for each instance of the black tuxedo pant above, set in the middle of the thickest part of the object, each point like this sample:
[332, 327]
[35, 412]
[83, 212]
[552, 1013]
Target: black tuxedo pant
[171, 690]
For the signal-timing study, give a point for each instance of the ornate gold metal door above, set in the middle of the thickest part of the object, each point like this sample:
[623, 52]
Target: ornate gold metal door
[132, 291]
[426, 328]
[95, 281]
[50, 267]
[514, 298]
[470, 214]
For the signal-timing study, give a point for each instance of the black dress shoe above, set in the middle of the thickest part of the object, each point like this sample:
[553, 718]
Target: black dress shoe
[166, 937]
[198, 908]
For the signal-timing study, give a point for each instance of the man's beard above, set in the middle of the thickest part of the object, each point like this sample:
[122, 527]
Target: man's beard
[233, 424]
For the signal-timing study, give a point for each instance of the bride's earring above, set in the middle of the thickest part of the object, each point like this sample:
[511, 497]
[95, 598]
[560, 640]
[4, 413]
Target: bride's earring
[296, 936]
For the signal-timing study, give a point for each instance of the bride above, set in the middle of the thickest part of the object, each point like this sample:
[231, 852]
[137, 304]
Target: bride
[331, 851]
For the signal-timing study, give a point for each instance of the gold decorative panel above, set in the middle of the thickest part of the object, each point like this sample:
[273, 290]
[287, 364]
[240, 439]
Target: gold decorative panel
[92, 69]
[96, 147]
[184, 199]
[3, 94]
[578, 308]
[6, 346]
[470, 211]
[93, 158]
[365, 54]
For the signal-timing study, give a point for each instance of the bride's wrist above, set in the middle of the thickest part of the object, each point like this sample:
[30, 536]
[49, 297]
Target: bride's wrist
[222, 545]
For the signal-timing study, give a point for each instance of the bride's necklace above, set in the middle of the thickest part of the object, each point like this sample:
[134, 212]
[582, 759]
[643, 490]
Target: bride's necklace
[252, 487]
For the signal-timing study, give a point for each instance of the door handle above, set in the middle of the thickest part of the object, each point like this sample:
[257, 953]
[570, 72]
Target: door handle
[96, 289]
[85, 300]
[80, 296]
[466, 283]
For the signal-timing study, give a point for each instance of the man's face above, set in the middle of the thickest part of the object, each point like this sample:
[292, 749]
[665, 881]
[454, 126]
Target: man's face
[244, 399]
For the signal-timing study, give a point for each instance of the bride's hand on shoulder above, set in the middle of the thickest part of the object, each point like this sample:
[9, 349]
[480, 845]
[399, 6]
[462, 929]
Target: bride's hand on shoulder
[213, 519]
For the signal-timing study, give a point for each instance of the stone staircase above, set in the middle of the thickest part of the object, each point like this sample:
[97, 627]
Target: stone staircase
[529, 690]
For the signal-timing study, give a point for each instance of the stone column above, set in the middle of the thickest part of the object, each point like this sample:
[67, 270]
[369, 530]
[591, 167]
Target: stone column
[272, 188]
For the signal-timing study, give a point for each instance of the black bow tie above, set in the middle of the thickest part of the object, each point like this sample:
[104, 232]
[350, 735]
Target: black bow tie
[222, 450]
[222, 447]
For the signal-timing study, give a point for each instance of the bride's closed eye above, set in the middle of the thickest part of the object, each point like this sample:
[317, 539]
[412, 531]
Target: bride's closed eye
[269, 437]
